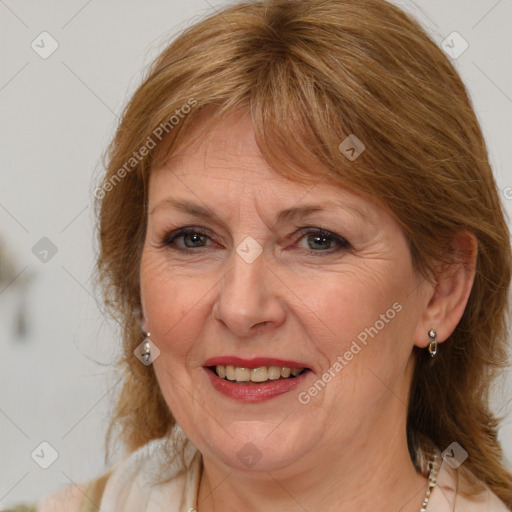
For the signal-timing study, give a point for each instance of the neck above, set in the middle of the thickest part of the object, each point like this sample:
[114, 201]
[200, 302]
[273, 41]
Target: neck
[364, 477]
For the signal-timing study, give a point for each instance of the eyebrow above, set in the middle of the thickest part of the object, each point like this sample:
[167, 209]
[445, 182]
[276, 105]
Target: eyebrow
[188, 207]
[303, 211]
[285, 215]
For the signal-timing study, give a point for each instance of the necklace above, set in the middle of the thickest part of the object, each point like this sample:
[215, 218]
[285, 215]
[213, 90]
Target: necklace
[432, 479]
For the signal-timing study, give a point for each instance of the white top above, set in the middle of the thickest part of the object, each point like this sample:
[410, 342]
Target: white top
[137, 484]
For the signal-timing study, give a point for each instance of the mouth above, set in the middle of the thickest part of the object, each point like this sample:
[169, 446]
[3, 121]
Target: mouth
[254, 380]
[259, 375]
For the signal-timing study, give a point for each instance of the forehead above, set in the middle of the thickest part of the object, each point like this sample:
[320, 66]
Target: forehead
[222, 164]
[226, 150]
[229, 143]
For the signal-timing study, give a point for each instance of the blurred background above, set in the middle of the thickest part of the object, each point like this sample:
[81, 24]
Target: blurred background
[67, 69]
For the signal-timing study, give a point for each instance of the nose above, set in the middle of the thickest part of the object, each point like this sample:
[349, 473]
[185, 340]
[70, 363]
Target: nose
[249, 298]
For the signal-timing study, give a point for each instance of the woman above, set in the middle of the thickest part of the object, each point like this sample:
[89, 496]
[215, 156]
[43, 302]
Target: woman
[301, 234]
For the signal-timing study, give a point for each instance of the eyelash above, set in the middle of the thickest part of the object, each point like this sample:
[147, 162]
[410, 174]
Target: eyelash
[169, 240]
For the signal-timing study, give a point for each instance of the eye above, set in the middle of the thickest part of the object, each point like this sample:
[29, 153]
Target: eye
[320, 240]
[312, 240]
[186, 238]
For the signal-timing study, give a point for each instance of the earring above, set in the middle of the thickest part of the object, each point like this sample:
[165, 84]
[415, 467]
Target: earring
[146, 349]
[146, 352]
[433, 344]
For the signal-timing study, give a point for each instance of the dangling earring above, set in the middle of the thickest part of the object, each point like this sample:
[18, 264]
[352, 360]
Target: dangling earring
[146, 353]
[146, 348]
[433, 344]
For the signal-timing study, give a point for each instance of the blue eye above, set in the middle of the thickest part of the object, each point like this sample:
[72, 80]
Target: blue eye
[194, 239]
[191, 238]
[312, 240]
[319, 240]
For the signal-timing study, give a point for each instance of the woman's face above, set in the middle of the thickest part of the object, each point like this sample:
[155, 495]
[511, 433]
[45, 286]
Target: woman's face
[249, 274]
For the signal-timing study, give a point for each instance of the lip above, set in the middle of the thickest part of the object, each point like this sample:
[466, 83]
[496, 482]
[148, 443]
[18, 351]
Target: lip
[254, 392]
[255, 362]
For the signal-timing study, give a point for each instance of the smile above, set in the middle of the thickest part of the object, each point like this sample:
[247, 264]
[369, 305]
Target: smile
[254, 380]
[260, 374]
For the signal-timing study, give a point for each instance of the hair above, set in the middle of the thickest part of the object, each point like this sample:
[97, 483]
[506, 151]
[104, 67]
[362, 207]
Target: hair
[309, 73]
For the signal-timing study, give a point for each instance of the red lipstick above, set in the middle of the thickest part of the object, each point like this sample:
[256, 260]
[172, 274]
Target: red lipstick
[250, 392]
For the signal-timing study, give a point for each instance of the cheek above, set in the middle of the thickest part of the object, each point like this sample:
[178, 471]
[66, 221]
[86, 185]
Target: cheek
[362, 322]
[342, 305]
[172, 304]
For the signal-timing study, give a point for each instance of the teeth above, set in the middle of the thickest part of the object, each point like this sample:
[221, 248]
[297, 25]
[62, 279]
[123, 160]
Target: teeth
[274, 372]
[221, 371]
[230, 373]
[242, 374]
[261, 374]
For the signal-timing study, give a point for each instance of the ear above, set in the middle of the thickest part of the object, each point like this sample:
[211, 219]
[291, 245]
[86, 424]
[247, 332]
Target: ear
[448, 297]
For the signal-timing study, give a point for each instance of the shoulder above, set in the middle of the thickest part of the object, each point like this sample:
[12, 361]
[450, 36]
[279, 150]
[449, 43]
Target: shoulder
[448, 495]
[76, 498]
[156, 473]
[69, 499]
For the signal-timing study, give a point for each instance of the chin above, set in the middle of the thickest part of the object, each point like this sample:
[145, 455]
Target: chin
[258, 446]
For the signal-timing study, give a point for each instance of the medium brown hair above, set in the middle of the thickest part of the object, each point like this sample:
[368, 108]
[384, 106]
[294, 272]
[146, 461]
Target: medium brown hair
[309, 73]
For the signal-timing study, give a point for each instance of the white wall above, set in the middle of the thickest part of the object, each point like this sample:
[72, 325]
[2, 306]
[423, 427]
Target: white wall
[57, 115]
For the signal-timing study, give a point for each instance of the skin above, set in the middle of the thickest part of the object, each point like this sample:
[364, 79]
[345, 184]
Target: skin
[301, 299]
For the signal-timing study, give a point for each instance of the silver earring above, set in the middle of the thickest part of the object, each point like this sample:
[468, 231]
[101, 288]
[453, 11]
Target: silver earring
[433, 344]
[146, 353]
[146, 349]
